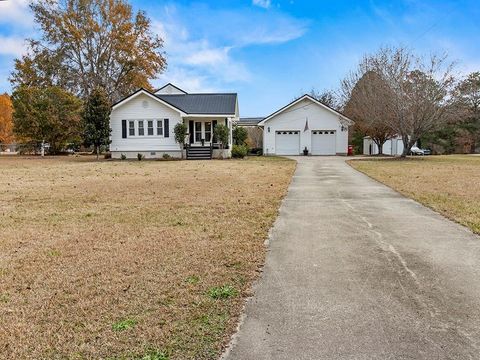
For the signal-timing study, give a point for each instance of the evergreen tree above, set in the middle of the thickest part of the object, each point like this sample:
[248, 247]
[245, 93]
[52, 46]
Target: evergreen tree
[96, 118]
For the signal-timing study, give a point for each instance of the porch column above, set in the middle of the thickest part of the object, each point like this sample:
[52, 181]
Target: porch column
[230, 137]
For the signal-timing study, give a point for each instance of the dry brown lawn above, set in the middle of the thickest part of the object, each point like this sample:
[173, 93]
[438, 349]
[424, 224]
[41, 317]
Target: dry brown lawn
[121, 260]
[447, 184]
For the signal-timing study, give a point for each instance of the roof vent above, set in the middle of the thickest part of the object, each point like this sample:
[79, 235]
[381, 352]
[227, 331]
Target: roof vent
[145, 104]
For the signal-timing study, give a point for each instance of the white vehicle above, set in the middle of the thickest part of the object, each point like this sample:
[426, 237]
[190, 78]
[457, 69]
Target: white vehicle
[415, 150]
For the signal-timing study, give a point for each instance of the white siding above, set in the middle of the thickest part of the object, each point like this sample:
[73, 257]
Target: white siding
[294, 118]
[169, 90]
[392, 146]
[146, 108]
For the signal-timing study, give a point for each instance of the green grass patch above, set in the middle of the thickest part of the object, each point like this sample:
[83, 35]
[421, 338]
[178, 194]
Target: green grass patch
[153, 355]
[126, 324]
[222, 292]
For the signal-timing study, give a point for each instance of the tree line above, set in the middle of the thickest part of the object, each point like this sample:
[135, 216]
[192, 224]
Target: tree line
[89, 54]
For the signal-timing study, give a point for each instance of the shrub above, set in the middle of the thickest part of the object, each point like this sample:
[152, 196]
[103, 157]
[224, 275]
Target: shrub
[180, 130]
[123, 157]
[239, 151]
[140, 157]
[221, 132]
[239, 135]
[166, 157]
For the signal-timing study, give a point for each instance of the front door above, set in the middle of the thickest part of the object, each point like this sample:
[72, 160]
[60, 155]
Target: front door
[202, 131]
[198, 131]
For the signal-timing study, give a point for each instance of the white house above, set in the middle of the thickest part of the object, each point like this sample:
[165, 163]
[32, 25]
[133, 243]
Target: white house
[393, 146]
[143, 122]
[305, 123]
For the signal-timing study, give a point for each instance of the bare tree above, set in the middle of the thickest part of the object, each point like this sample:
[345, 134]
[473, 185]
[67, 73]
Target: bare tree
[326, 97]
[255, 137]
[417, 94]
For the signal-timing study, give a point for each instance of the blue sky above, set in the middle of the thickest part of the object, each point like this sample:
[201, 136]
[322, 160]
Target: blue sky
[269, 51]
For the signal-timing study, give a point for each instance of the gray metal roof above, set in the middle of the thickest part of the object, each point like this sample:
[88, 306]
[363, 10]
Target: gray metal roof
[249, 121]
[202, 103]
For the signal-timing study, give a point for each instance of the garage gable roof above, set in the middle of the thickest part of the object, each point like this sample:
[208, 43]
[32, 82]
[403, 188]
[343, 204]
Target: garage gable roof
[315, 101]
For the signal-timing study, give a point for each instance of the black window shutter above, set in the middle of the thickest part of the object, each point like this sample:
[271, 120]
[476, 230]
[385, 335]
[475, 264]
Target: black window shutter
[166, 130]
[124, 129]
[226, 122]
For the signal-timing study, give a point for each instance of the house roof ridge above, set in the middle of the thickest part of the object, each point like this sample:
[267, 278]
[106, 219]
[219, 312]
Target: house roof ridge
[230, 93]
[169, 83]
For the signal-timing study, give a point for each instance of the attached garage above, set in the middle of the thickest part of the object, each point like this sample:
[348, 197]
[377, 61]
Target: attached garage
[305, 124]
[287, 142]
[323, 142]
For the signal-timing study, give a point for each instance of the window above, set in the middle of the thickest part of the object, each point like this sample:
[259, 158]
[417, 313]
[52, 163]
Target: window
[159, 127]
[208, 131]
[141, 129]
[131, 128]
[150, 127]
[198, 131]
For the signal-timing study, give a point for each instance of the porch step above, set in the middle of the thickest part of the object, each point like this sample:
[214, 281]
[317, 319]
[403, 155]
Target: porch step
[199, 153]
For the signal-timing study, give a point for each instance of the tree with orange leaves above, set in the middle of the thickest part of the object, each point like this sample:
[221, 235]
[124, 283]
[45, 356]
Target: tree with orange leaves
[6, 123]
[86, 44]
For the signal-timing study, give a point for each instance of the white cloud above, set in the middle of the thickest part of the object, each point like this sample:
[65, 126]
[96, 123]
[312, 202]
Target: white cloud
[189, 80]
[203, 55]
[15, 13]
[12, 45]
[208, 57]
[262, 3]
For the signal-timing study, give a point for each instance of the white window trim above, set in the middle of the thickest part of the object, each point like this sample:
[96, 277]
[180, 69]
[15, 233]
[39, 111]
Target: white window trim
[145, 128]
[132, 128]
[161, 121]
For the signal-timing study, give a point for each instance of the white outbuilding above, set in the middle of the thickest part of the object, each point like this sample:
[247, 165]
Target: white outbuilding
[393, 146]
[308, 124]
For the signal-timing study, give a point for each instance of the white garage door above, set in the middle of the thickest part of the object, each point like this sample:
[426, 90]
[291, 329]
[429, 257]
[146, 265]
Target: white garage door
[287, 142]
[323, 142]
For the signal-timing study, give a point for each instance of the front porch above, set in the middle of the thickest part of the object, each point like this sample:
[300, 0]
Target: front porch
[201, 142]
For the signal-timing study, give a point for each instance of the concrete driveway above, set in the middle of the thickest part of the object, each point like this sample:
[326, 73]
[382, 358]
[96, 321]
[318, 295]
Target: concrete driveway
[357, 271]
